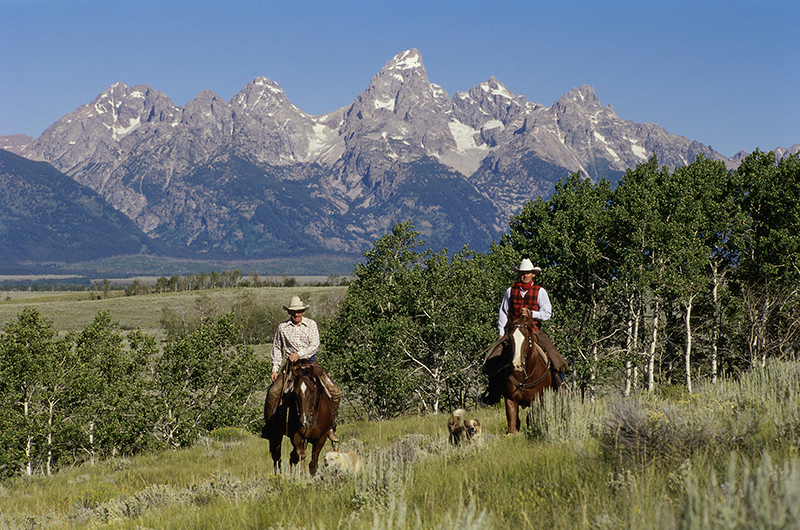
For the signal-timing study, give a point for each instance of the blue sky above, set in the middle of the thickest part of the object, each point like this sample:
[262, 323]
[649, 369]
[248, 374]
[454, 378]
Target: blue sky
[726, 74]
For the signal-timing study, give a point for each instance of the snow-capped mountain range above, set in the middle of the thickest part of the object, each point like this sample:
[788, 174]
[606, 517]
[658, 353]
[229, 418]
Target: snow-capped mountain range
[256, 176]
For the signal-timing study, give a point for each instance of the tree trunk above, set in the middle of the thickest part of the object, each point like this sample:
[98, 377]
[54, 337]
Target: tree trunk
[29, 445]
[651, 358]
[632, 342]
[688, 351]
[50, 439]
[716, 324]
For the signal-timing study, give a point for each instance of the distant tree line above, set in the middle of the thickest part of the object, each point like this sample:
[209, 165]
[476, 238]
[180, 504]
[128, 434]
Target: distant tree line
[175, 283]
[219, 280]
[671, 278]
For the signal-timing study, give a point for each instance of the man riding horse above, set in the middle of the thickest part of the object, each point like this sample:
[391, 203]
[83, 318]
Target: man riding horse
[298, 338]
[525, 299]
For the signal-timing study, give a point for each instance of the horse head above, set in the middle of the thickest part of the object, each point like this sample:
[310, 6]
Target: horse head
[520, 332]
[305, 388]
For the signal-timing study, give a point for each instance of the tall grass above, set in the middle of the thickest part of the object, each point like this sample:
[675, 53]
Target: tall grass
[725, 458]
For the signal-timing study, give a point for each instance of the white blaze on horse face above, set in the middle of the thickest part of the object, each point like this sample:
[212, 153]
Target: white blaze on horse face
[303, 391]
[518, 340]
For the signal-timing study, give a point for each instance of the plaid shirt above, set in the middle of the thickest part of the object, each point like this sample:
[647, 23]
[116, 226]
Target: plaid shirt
[544, 312]
[302, 339]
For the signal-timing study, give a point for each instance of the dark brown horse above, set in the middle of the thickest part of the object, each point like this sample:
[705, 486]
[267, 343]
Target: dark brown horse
[522, 371]
[304, 416]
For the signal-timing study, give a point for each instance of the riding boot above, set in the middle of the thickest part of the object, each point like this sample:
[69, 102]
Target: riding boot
[561, 381]
[273, 397]
[270, 404]
[335, 400]
[335, 394]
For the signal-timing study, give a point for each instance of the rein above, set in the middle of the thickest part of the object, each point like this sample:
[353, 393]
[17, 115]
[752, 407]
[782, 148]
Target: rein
[525, 384]
[306, 364]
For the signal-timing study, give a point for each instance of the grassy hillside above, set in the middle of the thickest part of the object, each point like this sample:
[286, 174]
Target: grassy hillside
[726, 457]
[74, 310]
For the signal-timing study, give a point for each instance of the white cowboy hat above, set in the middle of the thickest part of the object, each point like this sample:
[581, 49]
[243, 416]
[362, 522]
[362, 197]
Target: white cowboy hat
[296, 305]
[526, 266]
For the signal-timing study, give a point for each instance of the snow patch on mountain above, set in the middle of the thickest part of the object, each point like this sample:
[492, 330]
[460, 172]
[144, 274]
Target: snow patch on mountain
[119, 131]
[406, 60]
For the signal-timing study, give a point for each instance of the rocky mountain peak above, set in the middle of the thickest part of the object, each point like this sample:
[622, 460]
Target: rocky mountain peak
[488, 102]
[206, 110]
[16, 143]
[407, 60]
[582, 100]
[400, 86]
[401, 117]
[104, 124]
[267, 127]
[227, 176]
[261, 95]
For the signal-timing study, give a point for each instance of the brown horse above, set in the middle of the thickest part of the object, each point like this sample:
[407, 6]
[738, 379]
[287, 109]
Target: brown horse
[522, 371]
[303, 416]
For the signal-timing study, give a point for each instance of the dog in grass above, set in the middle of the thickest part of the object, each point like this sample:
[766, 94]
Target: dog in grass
[473, 431]
[455, 426]
[343, 461]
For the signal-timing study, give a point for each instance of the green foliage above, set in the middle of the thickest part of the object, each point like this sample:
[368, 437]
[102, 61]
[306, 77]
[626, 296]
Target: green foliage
[37, 370]
[412, 477]
[229, 434]
[111, 413]
[258, 322]
[206, 380]
[691, 271]
[92, 395]
[412, 331]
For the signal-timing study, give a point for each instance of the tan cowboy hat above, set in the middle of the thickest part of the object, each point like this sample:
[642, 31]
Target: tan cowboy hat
[526, 266]
[296, 305]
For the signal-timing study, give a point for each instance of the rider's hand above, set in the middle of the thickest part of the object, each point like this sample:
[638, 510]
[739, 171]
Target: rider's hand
[294, 357]
[274, 375]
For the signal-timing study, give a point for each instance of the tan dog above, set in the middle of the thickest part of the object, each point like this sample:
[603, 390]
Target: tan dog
[473, 431]
[455, 425]
[344, 461]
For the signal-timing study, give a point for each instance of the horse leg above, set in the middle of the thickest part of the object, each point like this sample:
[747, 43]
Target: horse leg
[512, 416]
[275, 452]
[314, 462]
[298, 454]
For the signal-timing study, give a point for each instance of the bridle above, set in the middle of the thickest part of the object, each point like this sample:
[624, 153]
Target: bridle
[525, 384]
[306, 378]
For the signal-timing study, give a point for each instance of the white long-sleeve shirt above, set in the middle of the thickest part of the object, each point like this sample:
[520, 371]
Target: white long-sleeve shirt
[302, 339]
[544, 313]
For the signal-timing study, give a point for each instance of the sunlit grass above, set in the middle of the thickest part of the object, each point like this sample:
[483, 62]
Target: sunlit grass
[556, 475]
[72, 311]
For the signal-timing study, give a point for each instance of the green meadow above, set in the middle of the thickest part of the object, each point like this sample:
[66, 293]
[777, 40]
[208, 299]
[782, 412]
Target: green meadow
[73, 310]
[725, 457]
